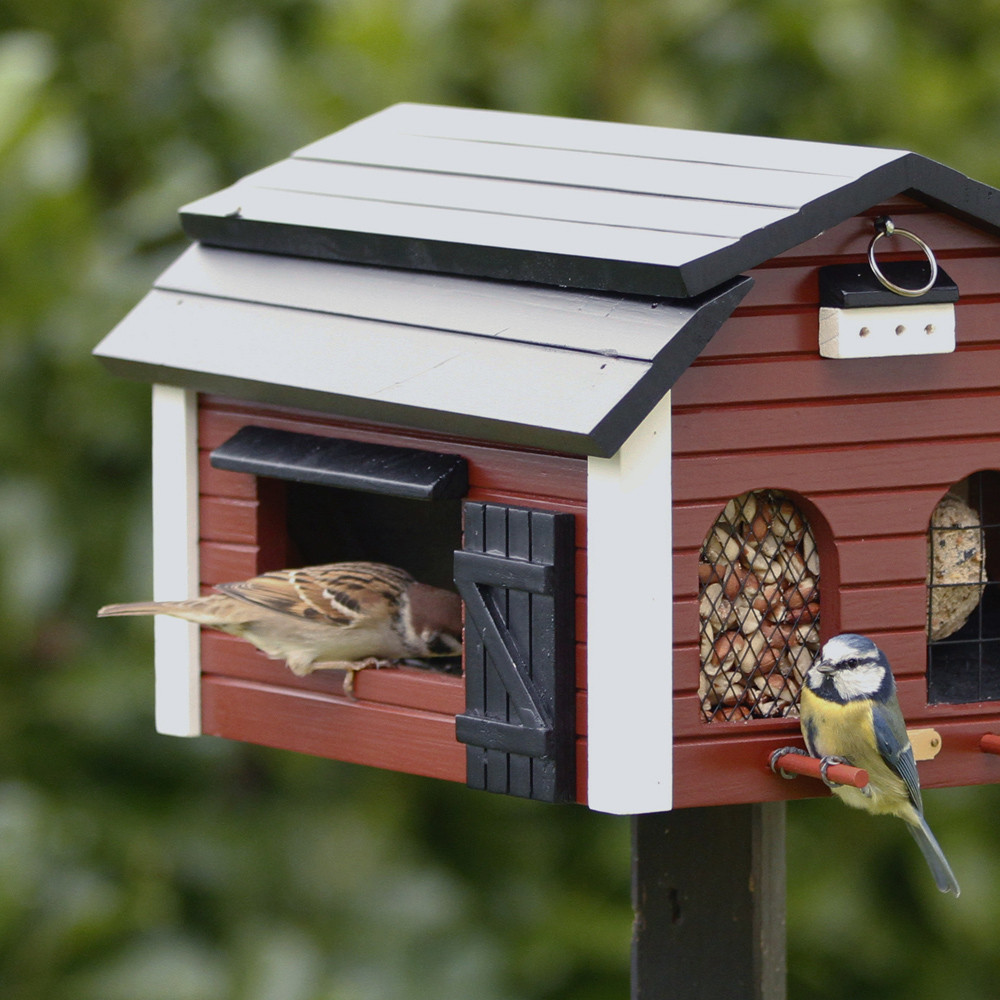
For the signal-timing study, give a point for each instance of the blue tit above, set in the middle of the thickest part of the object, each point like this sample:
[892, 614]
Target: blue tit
[850, 715]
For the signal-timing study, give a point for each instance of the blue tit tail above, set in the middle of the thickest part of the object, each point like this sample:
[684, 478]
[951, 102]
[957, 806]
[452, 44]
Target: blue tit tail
[943, 875]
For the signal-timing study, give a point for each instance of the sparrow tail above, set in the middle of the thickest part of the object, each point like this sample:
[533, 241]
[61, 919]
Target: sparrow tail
[203, 610]
[138, 608]
[936, 861]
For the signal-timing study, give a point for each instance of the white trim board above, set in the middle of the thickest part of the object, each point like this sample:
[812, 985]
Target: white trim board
[175, 558]
[630, 630]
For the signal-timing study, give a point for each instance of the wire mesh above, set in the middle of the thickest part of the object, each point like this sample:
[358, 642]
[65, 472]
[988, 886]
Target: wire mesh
[758, 607]
[963, 593]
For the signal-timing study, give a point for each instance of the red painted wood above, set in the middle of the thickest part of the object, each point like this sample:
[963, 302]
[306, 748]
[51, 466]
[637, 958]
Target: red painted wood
[222, 483]
[873, 444]
[425, 690]
[250, 697]
[225, 562]
[525, 472]
[714, 772]
[862, 421]
[862, 561]
[224, 519]
[804, 378]
[884, 467]
[849, 515]
[326, 726]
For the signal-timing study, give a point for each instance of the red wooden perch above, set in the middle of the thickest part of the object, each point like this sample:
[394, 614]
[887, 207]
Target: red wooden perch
[841, 774]
[990, 743]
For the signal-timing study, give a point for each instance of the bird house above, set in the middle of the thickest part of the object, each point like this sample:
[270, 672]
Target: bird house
[667, 408]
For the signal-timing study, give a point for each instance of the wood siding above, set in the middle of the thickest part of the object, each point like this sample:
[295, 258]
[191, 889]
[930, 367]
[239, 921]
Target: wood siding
[402, 719]
[872, 445]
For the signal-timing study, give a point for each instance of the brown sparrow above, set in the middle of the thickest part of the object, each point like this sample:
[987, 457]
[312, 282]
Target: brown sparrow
[345, 616]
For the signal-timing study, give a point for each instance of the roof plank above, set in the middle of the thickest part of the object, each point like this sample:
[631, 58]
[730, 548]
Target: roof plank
[586, 136]
[605, 206]
[604, 324]
[566, 371]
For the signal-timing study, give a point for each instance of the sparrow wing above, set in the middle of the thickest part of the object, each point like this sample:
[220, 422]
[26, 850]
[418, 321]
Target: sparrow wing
[341, 594]
[894, 746]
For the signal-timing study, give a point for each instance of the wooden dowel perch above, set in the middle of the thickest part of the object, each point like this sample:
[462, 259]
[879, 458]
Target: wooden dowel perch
[990, 743]
[841, 774]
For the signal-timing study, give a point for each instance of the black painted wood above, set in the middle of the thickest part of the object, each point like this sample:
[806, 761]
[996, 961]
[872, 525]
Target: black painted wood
[515, 574]
[853, 286]
[354, 465]
[708, 889]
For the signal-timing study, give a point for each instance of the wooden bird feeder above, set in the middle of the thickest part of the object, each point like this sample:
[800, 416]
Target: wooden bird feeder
[668, 408]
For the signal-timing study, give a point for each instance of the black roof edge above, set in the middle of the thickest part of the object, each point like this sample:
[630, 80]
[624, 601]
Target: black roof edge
[710, 310]
[435, 256]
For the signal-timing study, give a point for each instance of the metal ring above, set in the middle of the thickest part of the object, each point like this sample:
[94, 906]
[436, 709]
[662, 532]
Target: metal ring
[778, 754]
[884, 227]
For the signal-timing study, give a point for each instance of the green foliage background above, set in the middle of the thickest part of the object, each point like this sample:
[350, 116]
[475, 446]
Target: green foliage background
[142, 867]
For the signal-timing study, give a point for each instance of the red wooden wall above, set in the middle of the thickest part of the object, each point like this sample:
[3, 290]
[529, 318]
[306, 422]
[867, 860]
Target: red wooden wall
[402, 719]
[873, 444]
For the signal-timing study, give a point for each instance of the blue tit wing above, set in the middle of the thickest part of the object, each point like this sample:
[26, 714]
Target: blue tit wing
[894, 746]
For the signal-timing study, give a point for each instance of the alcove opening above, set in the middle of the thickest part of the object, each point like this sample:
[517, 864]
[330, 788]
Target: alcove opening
[759, 608]
[963, 593]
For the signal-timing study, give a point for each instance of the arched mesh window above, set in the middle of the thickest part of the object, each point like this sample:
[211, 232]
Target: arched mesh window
[963, 592]
[758, 606]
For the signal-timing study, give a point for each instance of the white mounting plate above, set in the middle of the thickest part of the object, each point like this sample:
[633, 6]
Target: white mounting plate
[887, 331]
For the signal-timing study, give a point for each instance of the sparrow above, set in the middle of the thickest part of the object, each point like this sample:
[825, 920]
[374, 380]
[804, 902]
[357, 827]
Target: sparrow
[344, 616]
[849, 714]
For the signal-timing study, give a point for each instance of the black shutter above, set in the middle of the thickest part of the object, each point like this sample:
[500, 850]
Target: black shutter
[516, 576]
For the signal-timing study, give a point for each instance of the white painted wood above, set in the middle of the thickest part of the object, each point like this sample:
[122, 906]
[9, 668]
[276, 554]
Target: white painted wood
[610, 325]
[615, 138]
[887, 331]
[175, 558]
[521, 384]
[629, 615]
[606, 206]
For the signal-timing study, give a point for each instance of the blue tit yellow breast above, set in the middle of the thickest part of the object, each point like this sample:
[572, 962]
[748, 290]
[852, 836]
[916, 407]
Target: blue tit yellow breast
[842, 729]
[845, 730]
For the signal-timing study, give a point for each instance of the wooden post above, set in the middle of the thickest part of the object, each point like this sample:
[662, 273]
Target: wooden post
[708, 890]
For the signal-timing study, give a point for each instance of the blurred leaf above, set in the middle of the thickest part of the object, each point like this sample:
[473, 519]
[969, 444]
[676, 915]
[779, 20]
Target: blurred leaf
[144, 867]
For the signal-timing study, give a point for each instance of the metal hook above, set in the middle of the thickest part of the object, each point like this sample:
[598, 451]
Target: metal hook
[884, 227]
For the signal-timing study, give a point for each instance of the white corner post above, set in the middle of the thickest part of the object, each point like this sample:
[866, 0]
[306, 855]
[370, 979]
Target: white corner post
[630, 623]
[175, 558]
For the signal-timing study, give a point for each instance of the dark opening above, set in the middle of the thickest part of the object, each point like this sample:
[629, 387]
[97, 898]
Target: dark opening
[326, 524]
[963, 601]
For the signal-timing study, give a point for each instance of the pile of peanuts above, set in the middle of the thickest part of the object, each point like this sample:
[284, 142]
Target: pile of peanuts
[759, 608]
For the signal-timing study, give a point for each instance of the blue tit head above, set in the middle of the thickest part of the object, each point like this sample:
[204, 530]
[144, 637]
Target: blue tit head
[851, 668]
